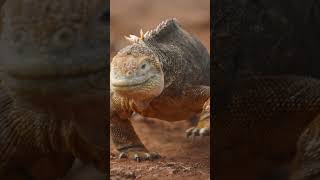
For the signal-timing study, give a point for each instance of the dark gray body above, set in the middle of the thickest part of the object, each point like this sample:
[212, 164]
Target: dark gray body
[186, 64]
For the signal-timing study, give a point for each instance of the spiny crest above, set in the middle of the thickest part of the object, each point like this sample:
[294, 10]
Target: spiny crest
[150, 34]
[135, 39]
[162, 26]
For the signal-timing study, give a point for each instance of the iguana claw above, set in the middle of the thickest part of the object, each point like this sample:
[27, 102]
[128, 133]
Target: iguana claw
[122, 155]
[139, 155]
[194, 131]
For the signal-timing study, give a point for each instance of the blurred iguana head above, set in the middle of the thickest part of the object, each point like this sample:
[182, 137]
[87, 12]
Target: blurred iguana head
[52, 49]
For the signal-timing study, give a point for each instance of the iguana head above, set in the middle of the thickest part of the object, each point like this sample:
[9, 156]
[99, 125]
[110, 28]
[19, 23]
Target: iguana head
[54, 49]
[136, 72]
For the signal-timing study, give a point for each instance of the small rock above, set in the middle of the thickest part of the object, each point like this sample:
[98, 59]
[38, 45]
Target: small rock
[170, 164]
[172, 171]
[152, 168]
[130, 174]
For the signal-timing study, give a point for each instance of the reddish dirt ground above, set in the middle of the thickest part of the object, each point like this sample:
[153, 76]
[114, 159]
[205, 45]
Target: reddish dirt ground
[181, 158]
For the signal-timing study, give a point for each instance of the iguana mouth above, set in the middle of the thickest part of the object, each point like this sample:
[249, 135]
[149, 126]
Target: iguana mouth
[125, 83]
[55, 76]
[32, 66]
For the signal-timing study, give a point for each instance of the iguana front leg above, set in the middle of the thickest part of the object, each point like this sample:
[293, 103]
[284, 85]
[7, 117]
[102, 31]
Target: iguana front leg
[127, 142]
[200, 95]
[306, 165]
[123, 134]
[203, 126]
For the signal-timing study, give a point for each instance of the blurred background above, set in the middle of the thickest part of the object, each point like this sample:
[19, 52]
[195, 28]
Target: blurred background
[184, 159]
[128, 17]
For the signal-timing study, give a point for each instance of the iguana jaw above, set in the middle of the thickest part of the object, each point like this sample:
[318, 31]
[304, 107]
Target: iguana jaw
[36, 74]
[138, 88]
[67, 89]
[43, 78]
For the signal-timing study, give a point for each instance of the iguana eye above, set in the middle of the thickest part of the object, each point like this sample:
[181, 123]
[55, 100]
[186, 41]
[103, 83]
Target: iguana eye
[144, 67]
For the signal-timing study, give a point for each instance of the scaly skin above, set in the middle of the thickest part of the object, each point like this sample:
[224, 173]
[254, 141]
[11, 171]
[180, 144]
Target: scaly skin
[164, 74]
[306, 165]
[258, 132]
[53, 74]
[288, 30]
[241, 26]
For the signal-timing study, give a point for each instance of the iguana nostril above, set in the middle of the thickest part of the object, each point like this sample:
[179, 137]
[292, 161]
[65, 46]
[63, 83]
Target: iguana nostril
[143, 66]
[63, 38]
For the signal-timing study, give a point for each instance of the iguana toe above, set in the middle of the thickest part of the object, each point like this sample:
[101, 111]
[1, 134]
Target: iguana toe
[139, 155]
[195, 131]
[204, 132]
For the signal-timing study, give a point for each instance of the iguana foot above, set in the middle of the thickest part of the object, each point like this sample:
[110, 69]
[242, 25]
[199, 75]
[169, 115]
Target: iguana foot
[203, 126]
[195, 131]
[139, 154]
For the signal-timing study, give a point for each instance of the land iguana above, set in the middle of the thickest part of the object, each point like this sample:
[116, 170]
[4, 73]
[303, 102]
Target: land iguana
[53, 105]
[164, 74]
